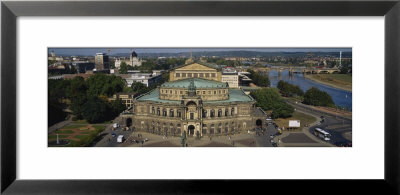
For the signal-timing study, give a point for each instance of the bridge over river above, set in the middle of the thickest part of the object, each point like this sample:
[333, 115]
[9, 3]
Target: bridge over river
[298, 69]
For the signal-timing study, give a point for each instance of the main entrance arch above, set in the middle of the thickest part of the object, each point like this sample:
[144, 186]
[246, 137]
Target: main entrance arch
[128, 122]
[191, 130]
[259, 123]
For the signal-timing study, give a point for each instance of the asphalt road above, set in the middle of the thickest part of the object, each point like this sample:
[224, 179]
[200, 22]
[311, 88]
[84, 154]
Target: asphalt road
[335, 125]
[264, 140]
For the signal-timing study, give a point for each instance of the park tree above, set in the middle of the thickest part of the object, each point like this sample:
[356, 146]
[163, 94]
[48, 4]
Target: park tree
[270, 99]
[117, 107]
[289, 90]
[77, 87]
[55, 112]
[139, 88]
[123, 68]
[259, 79]
[95, 110]
[316, 97]
[101, 84]
[56, 105]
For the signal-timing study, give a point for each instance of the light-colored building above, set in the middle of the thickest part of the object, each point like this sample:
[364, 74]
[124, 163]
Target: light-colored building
[147, 79]
[126, 98]
[132, 61]
[230, 76]
[196, 106]
[196, 70]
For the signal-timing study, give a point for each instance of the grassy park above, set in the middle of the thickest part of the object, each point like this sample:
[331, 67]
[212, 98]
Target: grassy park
[304, 120]
[78, 133]
[341, 81]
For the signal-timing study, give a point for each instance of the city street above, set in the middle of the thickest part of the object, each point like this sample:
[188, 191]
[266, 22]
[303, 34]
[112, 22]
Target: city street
[264, 140]
[337, 126]
[108, 140]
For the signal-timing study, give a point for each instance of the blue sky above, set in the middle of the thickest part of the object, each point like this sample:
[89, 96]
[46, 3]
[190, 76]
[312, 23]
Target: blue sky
[92, 51]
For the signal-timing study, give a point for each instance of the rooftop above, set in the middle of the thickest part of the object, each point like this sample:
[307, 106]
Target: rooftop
[198, 82]
[214, 66]
[235, 95]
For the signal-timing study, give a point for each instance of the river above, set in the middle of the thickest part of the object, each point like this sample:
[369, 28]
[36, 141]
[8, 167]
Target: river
[340, 97]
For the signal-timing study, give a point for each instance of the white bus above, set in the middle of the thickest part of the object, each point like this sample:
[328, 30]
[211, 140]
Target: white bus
[322, 134]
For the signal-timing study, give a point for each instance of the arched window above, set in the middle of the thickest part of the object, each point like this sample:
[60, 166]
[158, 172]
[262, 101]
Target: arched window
[152, 127]
[204, 130]
[204, 113]
[178, 128]
[226, 127]
[179, 113]
[158, 111]
[165, 129]
[212, 129]
[171, 113]
[212, 113]
[219, 113]
[219, 129]
[233, 127]
[232, 111]
[226, 111]
[164, 112]
[153, 110]
[172, 129]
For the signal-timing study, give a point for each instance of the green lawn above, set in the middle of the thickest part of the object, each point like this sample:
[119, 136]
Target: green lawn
[343, 81]
[304, 119]
[54, 136]
[74, 126]
[64, 131]
[82, 138]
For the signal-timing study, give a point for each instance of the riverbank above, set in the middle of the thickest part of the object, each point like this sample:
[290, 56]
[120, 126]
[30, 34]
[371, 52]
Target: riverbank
[339, 81]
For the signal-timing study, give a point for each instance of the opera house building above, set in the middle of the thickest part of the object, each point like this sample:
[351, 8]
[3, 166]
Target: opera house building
[197, 103]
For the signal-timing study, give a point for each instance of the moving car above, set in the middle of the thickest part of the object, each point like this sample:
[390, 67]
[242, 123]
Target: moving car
[271, 136]
[120, 139]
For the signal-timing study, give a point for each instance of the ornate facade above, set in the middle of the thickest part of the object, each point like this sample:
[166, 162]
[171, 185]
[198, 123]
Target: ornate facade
[196, 105]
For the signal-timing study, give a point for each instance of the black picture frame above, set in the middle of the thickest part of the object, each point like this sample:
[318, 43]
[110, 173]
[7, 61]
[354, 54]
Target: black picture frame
[10, 10]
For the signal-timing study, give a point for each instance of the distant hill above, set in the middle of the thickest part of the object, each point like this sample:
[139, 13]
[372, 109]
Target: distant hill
[247, 54]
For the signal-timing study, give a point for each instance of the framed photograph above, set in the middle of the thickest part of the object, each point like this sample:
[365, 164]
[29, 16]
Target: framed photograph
[199, 97]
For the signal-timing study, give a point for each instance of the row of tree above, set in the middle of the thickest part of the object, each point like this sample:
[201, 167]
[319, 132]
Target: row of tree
[259, 79]
[312, 96]
[289, 90]
[270, 99]
[316, 97]
[87, 99]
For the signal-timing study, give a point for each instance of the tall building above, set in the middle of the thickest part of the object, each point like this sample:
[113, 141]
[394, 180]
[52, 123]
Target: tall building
[101, 61]
[195, 102]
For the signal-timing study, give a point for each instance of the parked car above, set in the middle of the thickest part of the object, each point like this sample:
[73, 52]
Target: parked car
[113, 134]
[274, 144]
[271, 136]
